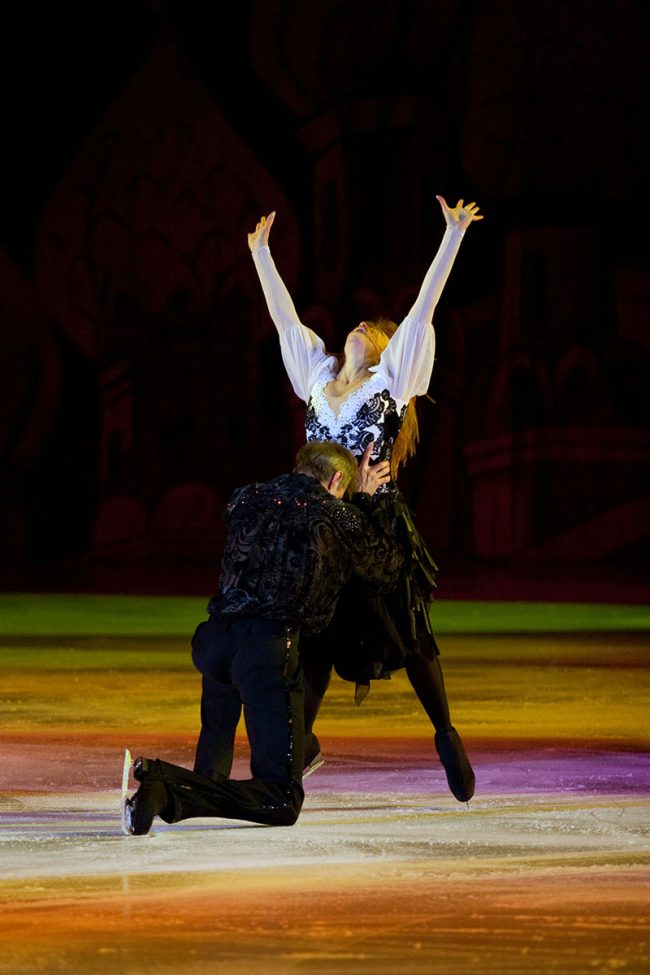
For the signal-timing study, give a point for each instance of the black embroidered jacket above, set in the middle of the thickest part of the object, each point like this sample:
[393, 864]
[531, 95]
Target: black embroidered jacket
[291, 546]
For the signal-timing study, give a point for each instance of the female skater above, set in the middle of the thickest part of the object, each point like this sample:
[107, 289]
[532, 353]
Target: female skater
[368, 394]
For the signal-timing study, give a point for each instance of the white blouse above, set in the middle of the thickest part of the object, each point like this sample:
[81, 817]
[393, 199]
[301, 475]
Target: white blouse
[374, 410]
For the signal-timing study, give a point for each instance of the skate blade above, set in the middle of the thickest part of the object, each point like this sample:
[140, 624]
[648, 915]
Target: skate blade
[126, 769]
[313, 766]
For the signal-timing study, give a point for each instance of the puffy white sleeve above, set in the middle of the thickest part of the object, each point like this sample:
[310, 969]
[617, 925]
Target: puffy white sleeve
[303, 352]
[408, 358]
[304, 358]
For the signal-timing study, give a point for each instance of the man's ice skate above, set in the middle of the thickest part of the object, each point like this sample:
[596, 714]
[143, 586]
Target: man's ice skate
[313, 765]
[313, 756]
[139, 810]
[126, 810]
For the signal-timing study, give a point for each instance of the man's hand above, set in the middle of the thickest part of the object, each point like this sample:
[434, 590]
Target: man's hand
[370, 477]
[260, 236]
[460, 216]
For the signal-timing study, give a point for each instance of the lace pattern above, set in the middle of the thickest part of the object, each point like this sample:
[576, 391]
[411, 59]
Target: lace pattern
[370, 413]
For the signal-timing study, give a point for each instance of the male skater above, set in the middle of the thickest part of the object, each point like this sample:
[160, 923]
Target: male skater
[291, 544]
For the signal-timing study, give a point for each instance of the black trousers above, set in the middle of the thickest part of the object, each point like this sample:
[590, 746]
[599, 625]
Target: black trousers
[251, 665]
[190, 795]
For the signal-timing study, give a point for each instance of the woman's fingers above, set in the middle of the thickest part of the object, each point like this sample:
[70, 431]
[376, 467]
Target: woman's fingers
[260, 235]
[264, 221]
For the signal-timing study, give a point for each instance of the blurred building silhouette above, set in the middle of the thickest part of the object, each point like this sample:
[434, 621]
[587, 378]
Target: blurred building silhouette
[141, 375]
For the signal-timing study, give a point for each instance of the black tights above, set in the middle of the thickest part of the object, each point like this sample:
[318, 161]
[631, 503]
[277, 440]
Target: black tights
[429, 685]
[425, 677]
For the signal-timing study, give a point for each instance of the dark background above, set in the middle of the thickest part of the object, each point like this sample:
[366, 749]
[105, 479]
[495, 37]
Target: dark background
[140, 379]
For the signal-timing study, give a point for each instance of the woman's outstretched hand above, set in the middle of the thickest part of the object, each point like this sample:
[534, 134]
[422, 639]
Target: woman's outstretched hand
[460, 216]
[260, 236]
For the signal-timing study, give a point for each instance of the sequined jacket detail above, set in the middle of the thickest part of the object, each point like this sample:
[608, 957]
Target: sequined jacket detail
[291, 546]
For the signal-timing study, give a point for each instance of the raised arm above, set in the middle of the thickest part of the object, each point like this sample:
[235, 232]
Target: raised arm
[458, 219]
[408, 357]
[303, 352]
[279, 302]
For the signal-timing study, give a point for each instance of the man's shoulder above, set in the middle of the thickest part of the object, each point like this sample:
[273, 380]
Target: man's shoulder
[278, 489]
[346, 516]
[302, 492]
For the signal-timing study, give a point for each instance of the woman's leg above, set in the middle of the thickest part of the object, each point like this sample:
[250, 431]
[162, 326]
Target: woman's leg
[428, 683]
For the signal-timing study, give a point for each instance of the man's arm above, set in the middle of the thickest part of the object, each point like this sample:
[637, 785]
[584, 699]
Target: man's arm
[370, 476]
[378, 556]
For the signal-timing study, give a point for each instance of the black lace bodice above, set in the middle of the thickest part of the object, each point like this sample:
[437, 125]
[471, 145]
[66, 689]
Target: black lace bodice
[370, 413]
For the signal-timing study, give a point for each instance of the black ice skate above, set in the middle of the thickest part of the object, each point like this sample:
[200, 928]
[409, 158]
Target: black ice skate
[460, 775]
[139, 810]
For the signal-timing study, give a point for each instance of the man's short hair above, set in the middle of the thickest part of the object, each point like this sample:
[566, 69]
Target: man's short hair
[322, 459]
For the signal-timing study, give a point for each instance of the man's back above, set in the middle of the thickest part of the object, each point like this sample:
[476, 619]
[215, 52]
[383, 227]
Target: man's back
[290, 546]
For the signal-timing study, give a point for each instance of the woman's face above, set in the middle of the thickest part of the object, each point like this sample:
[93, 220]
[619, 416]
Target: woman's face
[365, 341]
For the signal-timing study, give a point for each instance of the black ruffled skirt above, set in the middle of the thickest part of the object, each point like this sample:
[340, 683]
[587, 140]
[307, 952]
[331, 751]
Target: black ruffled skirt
[371, 636]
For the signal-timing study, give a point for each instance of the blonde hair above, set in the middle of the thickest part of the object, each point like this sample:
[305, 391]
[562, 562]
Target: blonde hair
[322, 459]
[409, 435]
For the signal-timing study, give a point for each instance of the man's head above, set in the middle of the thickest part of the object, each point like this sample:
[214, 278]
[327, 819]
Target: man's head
[330, 463]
